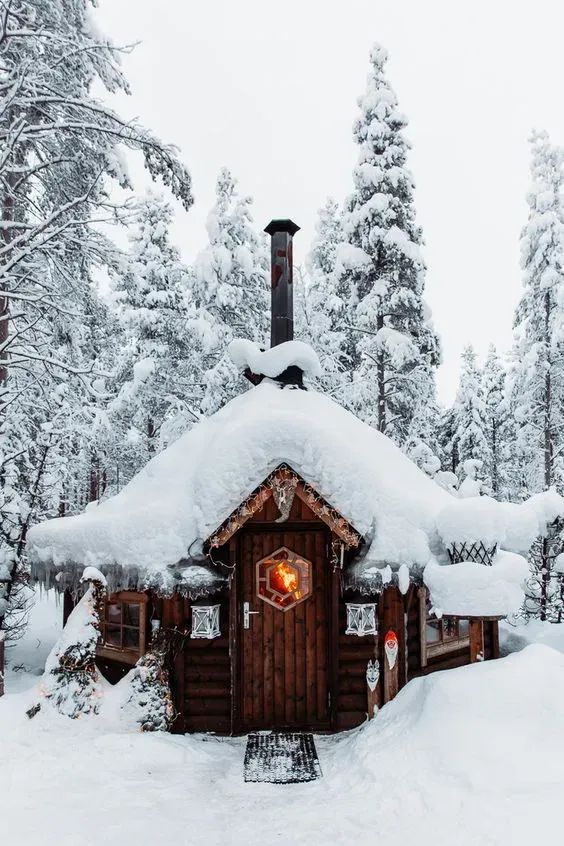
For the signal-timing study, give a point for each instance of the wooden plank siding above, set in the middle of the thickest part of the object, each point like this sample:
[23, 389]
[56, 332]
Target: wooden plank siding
[207, 676]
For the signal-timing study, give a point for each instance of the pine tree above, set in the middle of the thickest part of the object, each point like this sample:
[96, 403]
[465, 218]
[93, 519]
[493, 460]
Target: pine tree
[381, 262]
[544, 598]
[469, 417]
[448, 446]
[72, 683]
[228, 291]
[325, 305]
[422, 443]
[157, 375]
[497, 423]
[61, 150]
[537, 373]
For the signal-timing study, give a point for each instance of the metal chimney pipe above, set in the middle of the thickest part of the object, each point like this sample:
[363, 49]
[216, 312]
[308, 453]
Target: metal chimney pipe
[282, 290]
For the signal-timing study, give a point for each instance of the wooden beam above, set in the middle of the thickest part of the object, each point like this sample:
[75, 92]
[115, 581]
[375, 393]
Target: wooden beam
[394, 625]
[179, 667]
[422, 598]
[495, 639]
[234, 547]
[333, 631]
[476, 640]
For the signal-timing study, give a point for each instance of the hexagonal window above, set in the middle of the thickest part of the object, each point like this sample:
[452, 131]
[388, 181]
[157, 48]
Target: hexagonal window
[284, 579]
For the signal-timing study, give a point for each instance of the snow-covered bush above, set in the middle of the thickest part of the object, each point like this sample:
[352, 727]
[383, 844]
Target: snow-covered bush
[149, 701]
[72, 683]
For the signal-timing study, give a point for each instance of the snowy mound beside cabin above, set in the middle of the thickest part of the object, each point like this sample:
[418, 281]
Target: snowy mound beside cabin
[183, 494]
[274, 361]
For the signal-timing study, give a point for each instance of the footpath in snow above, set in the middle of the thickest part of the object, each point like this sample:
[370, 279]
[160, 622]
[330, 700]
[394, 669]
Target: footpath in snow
[474, 755]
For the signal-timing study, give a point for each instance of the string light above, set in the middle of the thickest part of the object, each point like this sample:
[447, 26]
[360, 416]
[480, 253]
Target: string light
[256, 500]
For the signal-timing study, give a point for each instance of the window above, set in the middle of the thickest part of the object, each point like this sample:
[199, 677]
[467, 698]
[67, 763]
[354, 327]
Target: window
[283, 579]
[123, 626]
[440, 636]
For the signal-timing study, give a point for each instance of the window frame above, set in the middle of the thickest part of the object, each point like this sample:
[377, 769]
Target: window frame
[276, 599]
[441, 647]
[127, 655]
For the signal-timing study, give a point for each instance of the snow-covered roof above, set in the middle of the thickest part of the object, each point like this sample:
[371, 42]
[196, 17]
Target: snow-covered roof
[513, 526]
[469, 589]
[152, 533]
[165, 513]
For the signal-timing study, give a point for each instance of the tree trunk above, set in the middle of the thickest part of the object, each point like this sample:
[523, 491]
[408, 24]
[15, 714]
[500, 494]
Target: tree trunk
[151, 436]
[495, 474]
[381, 377]
[545, 579]
[6, 236]
[547, 398]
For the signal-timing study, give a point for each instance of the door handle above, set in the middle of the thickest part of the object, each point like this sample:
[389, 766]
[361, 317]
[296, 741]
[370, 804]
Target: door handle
[247, 614]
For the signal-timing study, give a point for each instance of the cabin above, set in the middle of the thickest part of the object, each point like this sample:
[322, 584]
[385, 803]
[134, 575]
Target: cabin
[307, 566]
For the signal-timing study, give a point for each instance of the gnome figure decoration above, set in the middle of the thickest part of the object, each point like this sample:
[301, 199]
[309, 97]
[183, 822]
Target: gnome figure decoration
[391, 647]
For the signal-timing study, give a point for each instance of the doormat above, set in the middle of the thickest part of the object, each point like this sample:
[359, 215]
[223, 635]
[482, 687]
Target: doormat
[281, 758]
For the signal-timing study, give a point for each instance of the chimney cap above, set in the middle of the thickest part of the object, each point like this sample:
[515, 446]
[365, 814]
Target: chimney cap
[285, 225]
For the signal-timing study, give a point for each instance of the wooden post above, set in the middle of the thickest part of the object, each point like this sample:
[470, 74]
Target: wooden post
[234, 633]
[2, 654]
[393, 632]
[422, 599]
[391, 680]
[334, 642]
[476, 640]
[179, 621]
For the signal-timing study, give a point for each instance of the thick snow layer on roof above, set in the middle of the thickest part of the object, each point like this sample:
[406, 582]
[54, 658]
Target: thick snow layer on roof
[186, 492]
[470, 589]
[276, 360]
[512, 525]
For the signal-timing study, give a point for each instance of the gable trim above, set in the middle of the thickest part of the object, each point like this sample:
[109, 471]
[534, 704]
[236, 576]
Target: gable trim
[255, 501]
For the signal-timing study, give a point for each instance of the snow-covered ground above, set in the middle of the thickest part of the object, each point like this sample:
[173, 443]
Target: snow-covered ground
[474, 755]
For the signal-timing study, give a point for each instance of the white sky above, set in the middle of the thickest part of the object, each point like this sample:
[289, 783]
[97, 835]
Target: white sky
[269, 89]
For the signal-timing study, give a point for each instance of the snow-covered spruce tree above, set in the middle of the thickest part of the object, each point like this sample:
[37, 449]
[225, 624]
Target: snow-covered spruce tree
[422, 442]
[544, 598]
[469, 416]
[537, 373]
[448, 447]
[497, 423]
[72, 683]
[381, 262]
[149, 703]
[158, 373]
[325, 302]
[60, 150]
[228, 291]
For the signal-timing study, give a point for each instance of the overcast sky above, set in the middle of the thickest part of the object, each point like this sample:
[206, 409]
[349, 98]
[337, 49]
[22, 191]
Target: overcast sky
[269, 89]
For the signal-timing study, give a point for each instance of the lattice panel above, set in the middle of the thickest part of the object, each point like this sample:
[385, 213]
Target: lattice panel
[477, 552]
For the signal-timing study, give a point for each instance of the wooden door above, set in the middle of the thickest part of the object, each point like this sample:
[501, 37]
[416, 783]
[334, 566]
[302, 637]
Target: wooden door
[283, 666]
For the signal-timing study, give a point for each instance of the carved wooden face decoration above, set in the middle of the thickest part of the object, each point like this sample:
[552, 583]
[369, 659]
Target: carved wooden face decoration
[284, 579]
